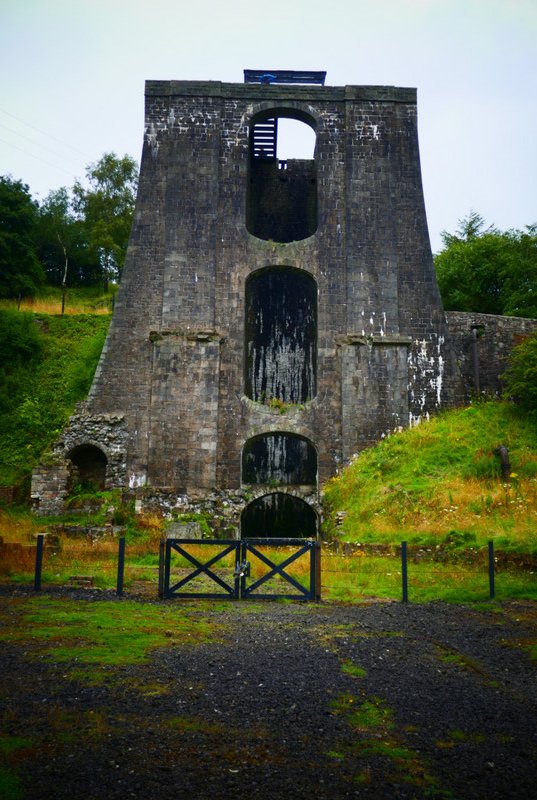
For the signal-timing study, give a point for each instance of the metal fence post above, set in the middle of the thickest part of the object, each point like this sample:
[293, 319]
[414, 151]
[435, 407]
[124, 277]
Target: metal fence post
[167, 567]
[492, 592]
[404, 572]
[161, 556]
[316, 586]
[120, 566]
[39, 561]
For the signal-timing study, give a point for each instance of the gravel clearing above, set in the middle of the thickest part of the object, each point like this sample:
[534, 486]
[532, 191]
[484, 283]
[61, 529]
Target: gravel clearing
[379, 700]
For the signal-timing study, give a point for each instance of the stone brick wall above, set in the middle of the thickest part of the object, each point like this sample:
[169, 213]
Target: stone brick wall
[49, 489]
[493, 340]
[172, 373]
[221, 508]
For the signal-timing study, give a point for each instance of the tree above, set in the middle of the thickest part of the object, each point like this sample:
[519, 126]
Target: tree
[52, 233]
[520, 378]
[20, 271]
[106, 208]
[485, 270]
[62, 243]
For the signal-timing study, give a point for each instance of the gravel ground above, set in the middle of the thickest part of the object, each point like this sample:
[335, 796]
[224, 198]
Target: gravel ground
[380, 700]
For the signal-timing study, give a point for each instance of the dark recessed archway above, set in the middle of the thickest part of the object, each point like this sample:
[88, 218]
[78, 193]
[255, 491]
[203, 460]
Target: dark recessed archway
[281, 336]
[89, 464]
[278, 515]
[283, 458]
[282, 192]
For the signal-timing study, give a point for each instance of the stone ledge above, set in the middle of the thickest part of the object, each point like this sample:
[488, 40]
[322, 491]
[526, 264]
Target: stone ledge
[294, 92]
[388, 340]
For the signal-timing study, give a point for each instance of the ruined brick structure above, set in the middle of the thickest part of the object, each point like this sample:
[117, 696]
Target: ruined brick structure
[273, 318]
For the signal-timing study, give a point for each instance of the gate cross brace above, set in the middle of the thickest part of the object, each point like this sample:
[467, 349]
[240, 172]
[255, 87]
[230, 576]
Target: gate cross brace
[277, 569]
[202, 568]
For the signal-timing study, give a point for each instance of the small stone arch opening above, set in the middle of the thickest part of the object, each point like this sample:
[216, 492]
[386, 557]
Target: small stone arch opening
[278, 515]
[281, 200]
[88, 467]
[279, 458]
[280, 336]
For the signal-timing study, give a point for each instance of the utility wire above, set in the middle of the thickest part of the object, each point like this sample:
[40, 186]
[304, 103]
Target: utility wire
[37, 157]
[66, 144]
[43, 146]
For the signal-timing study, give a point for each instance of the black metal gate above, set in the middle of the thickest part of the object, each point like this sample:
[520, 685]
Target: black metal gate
[227, 569]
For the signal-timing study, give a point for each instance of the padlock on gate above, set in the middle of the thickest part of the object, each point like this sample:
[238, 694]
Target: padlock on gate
[242, 570]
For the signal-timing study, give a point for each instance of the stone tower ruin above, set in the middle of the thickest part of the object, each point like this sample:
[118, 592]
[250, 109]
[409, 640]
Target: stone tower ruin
[274, 317]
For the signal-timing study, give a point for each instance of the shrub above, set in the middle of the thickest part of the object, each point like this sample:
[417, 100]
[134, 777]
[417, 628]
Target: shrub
[520, 379]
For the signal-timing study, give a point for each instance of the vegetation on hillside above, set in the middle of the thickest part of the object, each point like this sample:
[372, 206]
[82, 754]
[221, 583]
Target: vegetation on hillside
[520, 379]
[46, 365]
[443, 479]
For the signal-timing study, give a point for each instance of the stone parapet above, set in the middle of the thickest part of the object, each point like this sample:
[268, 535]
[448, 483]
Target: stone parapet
[482, 344]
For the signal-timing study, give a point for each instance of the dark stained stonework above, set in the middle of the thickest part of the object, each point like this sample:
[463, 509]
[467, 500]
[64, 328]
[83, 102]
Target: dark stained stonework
[173, 381]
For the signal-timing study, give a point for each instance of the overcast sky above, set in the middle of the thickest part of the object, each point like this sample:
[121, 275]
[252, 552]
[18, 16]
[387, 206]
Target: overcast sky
[73, 75]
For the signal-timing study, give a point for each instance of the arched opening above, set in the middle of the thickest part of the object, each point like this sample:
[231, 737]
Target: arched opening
[282, 177]
[89, 467]
[278, 515]
[279, 458]
[281, 336]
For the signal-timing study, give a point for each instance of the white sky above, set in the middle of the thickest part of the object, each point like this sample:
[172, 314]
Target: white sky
[73, 75]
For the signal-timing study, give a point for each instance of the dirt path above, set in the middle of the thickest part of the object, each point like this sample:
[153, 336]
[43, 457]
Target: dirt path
[296, 701]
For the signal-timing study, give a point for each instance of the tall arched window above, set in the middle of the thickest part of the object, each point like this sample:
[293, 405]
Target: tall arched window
[281, 336]
[282, 177]
[282, 458]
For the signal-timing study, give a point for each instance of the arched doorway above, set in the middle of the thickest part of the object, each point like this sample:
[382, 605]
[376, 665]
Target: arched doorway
[278, 515]
[89, 467]
[283, 458]
[281, 336]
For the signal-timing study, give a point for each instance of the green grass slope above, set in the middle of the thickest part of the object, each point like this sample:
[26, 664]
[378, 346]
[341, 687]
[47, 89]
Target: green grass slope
[47, 363]
[442, 479]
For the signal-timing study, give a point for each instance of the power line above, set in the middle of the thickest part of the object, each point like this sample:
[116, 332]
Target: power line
[39, 130]
[26, 153]
[28, 139]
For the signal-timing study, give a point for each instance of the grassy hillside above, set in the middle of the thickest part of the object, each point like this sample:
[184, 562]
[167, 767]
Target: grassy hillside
[81, 300]
[443, 479]
[47, 363]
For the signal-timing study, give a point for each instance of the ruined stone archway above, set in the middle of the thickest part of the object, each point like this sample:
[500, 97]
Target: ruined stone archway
[89, 465]
[278, 515]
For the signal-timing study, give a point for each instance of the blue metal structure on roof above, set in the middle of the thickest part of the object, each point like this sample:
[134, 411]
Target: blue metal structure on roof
[284, 76]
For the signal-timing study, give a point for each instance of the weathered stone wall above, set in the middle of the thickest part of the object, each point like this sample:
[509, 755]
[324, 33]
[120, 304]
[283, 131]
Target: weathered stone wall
[107, 432]
[52, 482]
[375, 389]
[173, 367]
[492, 342]
[49, 489]
[222, 509]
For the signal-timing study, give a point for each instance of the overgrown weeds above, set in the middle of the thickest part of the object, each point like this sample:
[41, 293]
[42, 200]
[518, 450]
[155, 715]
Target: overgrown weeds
[442, 476]
[58, 357]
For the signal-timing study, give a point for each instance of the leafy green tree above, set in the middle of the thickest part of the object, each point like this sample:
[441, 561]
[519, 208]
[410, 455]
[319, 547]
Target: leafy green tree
[20, 271]
[485, 270]
[106, 208]
[520, 378]
[62, 243]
